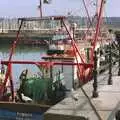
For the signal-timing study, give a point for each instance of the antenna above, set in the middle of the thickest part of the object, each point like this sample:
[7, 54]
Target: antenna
[41, 4]
[40, 8]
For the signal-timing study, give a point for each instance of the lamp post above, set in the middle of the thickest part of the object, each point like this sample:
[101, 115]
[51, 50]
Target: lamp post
[119, 57]
[110, 66]
[95, 85]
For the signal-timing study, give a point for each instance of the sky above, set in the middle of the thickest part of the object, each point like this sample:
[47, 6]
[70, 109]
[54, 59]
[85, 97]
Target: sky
[23, 8]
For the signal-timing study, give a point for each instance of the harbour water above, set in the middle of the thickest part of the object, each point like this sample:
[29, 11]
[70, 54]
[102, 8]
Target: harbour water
[22, 53]
[30, 53]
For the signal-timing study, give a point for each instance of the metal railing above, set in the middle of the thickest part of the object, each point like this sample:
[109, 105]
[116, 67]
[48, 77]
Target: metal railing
[109, 65]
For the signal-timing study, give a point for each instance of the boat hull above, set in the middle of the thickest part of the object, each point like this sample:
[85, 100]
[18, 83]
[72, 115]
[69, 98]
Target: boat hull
[14, 111]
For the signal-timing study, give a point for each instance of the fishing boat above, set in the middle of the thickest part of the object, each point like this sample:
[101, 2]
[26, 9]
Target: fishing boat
[79, 52]
[48, 87]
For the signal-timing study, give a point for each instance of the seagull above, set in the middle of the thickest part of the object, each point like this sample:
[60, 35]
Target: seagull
[25, 98]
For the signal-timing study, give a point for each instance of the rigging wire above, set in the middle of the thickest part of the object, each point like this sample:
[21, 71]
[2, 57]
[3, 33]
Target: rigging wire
[82, 89]
[86, 9]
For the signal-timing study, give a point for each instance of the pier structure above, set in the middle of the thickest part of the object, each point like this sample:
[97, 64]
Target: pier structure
[32, 32]
[38, 32]
[7, 25]
[101, 97]
[77, 107]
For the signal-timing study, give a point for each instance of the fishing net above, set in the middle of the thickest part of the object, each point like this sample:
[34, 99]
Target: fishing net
[37, 88]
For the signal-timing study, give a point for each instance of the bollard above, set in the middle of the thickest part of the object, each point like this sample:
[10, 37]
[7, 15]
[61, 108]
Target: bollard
[95, 92]
[110, 66]
[117, 115]
[119, 59]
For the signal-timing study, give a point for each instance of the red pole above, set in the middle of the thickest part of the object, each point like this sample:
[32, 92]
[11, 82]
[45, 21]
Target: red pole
[8, 71]
[41, 63]
[16, 41]
[73, 41]
[97, 27]
[11, 81]
[76, 50]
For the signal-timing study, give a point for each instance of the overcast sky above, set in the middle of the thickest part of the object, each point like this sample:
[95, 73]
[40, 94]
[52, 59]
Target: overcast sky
[21, 8]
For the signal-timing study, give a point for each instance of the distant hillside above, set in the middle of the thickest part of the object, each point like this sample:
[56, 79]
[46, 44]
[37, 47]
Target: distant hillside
[113, 22]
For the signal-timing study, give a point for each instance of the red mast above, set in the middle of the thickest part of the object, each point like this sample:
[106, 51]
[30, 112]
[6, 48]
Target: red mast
[100, 12]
